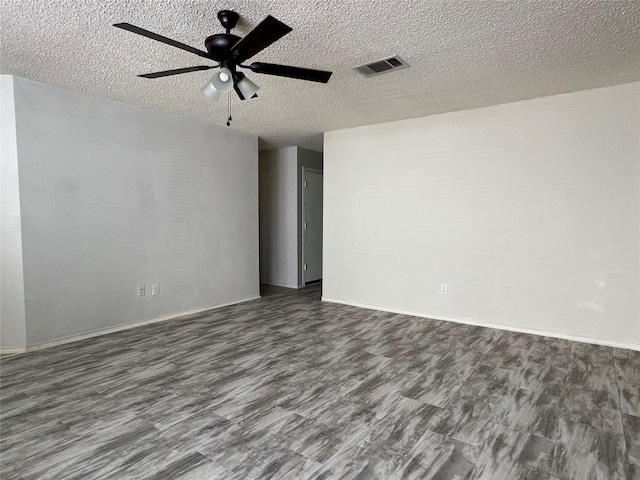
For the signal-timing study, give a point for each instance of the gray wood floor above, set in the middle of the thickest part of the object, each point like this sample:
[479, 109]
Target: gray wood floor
[287, 387]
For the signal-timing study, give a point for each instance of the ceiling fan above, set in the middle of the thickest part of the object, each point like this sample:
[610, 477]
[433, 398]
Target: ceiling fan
[231, 51]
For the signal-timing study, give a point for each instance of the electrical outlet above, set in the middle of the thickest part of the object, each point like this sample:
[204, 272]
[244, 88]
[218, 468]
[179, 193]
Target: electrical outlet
[141, 291]
[443, 289]
[155, 289]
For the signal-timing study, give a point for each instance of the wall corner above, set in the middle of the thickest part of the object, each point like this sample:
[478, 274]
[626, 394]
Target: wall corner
[13, 331]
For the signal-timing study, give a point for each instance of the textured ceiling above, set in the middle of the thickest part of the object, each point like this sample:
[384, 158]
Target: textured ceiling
[463, 54]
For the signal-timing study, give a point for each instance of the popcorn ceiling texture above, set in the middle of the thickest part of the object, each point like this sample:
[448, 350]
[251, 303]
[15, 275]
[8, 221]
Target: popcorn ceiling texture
[463, 54]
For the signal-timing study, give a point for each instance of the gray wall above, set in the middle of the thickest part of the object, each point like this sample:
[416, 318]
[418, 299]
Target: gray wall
[114, 196]
[13, 335]
[278, 217]
[529, 212]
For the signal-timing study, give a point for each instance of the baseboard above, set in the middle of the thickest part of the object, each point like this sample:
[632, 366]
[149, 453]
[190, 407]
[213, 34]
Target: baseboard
[477, 323]
[281, 285]
[12, 351]
[119, 328]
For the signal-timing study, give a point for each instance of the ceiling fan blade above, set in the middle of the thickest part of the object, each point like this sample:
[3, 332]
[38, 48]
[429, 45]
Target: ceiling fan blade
[160, 38]
[309, 74]
[266, 32]
[177, 71]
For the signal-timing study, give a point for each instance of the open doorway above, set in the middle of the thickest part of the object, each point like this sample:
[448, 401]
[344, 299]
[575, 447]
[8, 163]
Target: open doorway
[286, 206]
[311, 226]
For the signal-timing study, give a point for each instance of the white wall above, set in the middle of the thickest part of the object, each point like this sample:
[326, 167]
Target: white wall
[114, 196]
[12, 310]
[528, 211]
[279, 217]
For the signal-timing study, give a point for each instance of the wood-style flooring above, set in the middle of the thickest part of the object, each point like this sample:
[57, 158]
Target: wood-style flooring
[288, 387]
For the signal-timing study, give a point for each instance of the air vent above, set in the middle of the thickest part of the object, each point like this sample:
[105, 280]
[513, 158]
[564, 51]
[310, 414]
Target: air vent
[381, 66]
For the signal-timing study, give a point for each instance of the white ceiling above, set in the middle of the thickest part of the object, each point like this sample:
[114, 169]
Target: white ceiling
[463, 54]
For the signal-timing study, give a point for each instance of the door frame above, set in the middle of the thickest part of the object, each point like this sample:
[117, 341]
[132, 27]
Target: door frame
[302, 219]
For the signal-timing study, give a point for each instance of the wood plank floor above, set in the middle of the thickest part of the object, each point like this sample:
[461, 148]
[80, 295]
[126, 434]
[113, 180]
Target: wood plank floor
[288, 387]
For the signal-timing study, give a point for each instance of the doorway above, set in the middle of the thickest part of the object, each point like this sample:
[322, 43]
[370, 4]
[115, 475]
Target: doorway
[311, 225]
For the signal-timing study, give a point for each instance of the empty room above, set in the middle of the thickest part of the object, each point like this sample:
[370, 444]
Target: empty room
[320, 240]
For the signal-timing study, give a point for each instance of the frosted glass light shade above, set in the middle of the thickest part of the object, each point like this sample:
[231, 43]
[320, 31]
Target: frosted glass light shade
[222, 80]
[247, 87]
[210, 91]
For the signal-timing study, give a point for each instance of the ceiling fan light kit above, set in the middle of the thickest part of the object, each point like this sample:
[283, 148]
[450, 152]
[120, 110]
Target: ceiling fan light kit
[210, 91]
[230, 51]
[247, 87]
[222, 80]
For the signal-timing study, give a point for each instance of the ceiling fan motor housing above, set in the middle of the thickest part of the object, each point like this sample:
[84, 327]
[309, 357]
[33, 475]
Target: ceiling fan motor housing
[219, 46]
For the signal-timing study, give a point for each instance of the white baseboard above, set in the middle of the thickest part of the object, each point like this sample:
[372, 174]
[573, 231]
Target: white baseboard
[119, 328]
[12, 351]
[477, 323]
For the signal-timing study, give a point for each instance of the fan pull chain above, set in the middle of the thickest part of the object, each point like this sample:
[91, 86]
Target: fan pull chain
[229, 119]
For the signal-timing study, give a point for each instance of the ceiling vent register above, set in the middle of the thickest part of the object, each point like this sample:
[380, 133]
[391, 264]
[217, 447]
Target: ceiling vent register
[379, 67]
